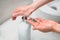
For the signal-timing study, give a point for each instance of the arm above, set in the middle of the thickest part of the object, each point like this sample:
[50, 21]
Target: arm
[27, 10]
[39, 3]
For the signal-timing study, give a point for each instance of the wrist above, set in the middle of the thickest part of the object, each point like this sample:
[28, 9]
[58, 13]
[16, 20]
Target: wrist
[39, 3]
[56, 28]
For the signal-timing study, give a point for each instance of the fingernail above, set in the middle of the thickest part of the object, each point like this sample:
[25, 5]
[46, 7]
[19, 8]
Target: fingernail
[24, 18]
[13, 18]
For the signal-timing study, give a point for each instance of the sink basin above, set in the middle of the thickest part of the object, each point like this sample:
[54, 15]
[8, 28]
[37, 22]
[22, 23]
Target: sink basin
[9, 28]
[51, 11]
[9, 31]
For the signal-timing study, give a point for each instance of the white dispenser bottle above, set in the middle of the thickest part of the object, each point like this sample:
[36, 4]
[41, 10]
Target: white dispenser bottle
[24, 30]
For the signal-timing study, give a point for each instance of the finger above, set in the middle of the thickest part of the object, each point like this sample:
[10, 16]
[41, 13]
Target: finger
[37, 28]
[37, 20]
[13, 18]
[34, 29]
[40, 19]
[17, 9]
[17, 13]
[33, 23]
[14, 15]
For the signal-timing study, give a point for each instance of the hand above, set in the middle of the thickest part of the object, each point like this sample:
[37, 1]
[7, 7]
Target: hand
[43, 25]
[22, 11]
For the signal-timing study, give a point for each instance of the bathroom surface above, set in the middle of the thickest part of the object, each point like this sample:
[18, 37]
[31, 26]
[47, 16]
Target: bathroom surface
[9, 29]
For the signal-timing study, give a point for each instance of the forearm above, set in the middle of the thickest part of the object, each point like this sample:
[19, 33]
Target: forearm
[39, 3]
[57, 28]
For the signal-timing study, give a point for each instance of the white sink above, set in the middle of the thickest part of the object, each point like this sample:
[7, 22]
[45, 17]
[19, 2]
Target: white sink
[9, 29]
[49, 11]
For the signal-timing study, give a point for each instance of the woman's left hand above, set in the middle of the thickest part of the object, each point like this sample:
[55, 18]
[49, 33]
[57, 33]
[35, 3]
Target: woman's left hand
[42, 24]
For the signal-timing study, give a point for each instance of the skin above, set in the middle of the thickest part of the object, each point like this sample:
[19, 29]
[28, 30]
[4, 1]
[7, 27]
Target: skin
[45, 25]
[41, 24]
[28, 9]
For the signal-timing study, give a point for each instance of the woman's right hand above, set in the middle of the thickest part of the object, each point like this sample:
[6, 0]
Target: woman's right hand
[22, 11]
